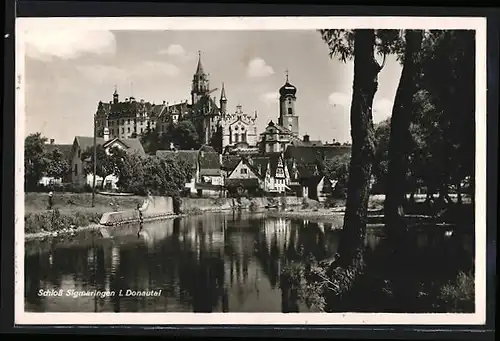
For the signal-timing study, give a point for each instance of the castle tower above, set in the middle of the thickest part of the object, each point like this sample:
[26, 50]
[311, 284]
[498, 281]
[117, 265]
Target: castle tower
[223, 101]
[115, 96]
[288, 117]
[200, 85]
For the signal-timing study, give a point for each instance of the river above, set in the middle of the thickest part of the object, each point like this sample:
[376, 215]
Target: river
[217, 262]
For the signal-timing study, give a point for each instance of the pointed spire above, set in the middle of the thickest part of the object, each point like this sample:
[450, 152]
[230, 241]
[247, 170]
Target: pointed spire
[199, 68]
[223, 93]
[116, 90]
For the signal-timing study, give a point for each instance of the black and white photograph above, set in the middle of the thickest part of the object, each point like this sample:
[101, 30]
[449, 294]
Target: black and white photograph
[327, 170]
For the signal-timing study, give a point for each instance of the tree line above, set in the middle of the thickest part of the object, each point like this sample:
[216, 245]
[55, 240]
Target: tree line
[136, 174]
[429, 140]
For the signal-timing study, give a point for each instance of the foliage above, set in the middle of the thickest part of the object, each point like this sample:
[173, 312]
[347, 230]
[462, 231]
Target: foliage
[185, 136]
[58, 165]
[459, 296]
[337, 168]
[38, 162]
[55, 220]
[160, 176]
[105, 163]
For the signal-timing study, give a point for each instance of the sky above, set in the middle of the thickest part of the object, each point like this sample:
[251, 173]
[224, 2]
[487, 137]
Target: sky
[67, 72]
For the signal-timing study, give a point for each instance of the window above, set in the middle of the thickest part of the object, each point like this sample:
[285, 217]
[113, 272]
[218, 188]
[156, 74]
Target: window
[76, 169]
[123, 130]
[236, 136]
[79, 153]
[128, 121]
[123, 122]
[142, 130]
[128, 130]
[243, 171]
[135, 129]
[290, 112]
[135, 121]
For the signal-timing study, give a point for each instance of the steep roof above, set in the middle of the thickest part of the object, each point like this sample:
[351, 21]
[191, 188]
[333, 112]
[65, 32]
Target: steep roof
[312, 154]
[65, 149]
[260, 163]
[131, 145]
[229, 162]
[209, 163]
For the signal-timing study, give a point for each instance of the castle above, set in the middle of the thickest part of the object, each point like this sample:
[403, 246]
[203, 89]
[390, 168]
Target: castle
[235, 132]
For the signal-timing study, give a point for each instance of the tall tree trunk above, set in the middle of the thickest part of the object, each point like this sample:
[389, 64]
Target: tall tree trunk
[400, 137]
[350, 262]
[398, 164]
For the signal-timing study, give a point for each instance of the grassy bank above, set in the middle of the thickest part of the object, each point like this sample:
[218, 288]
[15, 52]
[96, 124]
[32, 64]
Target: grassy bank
[70, 210]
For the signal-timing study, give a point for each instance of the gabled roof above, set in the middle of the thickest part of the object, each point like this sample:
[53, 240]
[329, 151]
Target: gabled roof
[209, 161]
[247, 161]
[311, 155]
[65, 149]
[131, 145]
[229, 162]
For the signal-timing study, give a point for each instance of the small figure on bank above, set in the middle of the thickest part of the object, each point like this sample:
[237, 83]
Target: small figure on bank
[139, 209]
[51, 202]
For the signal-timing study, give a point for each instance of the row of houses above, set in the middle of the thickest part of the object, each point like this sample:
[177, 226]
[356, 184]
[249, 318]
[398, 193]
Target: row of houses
[295, 171]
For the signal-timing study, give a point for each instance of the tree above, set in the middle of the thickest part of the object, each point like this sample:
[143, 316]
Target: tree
[337, 168]
[35, 160]
[58, 166]
[104, 165]
[185, 136]
[400, 137]
[359, 45]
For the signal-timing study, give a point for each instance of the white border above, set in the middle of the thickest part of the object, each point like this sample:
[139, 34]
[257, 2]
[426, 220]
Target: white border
[256, 23]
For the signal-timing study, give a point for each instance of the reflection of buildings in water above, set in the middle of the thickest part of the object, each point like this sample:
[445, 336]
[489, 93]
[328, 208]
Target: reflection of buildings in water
[115, 259]
[51, 260]
[371, 239]
[276, 234]
[91, 258]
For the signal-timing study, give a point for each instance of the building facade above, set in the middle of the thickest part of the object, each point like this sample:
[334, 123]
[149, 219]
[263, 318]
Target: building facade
[239, 131]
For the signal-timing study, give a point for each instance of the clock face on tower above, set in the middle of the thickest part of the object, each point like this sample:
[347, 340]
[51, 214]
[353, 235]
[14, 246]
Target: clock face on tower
[290, 120]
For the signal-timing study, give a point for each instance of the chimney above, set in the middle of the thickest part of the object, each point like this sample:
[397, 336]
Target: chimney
[106, 134]
[51, 141]
[306, 138]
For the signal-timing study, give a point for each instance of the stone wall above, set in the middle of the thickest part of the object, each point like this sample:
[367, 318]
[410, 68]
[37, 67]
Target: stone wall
[157, 207]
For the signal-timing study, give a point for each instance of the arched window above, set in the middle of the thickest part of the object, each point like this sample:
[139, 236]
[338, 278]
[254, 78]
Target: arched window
[236, 138]
[290, 112]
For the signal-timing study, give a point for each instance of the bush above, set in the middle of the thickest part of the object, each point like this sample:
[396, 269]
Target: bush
[51, 221]
[254, 206]
[459, 296]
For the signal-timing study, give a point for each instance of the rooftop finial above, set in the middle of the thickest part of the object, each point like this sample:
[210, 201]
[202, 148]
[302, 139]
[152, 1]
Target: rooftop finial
[116, 90]
[286, 74]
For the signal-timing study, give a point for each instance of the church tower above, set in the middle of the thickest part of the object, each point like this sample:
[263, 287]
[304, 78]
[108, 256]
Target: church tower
[115, 96]
[288, 117]
[200, 86]
[223, 101]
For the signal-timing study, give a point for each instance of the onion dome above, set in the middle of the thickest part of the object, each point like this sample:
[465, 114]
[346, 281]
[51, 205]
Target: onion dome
[287, 88]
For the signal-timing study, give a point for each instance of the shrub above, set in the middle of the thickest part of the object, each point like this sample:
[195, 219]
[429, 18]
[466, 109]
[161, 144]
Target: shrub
[458, 296]
[254, 206]
[55, 220]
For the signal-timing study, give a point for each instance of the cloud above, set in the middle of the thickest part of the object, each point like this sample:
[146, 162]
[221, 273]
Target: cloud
[269, 97]
[147, 69]
[340, 99]
[257, 67]
[154, 68]
[68, 44]
[382, 107]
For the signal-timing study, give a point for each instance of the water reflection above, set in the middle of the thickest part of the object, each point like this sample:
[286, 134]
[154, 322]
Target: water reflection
[208, 263]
